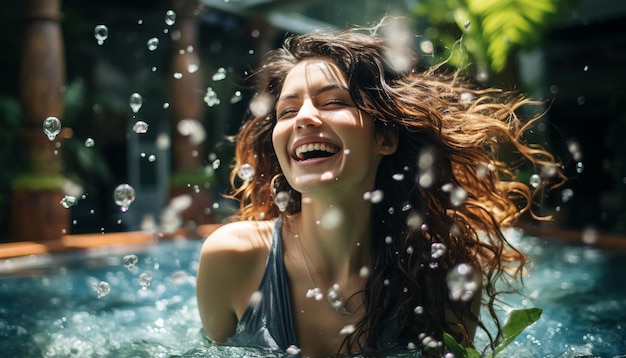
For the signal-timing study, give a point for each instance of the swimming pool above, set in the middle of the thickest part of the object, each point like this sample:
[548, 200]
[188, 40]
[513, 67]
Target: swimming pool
[49, 305]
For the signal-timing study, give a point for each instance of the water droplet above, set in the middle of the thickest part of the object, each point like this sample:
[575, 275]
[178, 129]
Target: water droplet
[567, 195]
[102, 288]
[398, 177]
[101, 32]
[170, 17]
[210, 98]
[375, 196]
[467, 24]
[51, 127]
[136, 101]
[261, 105]
[246, 172]
[145, 279]
[68, 201]
[153, 43]
[163, 141]
[89, 142]
[467, 97]
[419, 310]
[590, 236]
[574, 149]
[255, 299]
[193, 129]
[151, 158]
[293, 350]
[347, 329]
[462, 282]
[580, 167]
[192, 68]
[216, 163]
[334, 297]
[140, 127]
[580, 100]
[414, 220]
[219, 75]
[437, 250]
[236, 98]
[178, 75]
[535, 180]
[586, 68]
[331, 218]
[130, 261]
[282, 200]
[124, 195]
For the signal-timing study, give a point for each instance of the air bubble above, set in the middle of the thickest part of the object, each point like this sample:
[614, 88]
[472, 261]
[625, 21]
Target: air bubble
[102, 288]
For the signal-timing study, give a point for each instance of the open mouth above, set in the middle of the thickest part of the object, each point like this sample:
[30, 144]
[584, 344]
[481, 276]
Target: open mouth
[315, 150]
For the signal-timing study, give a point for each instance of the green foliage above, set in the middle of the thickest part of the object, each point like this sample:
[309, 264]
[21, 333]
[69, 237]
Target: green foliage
[492, 29]
[34, 182]
[518, 320]
[197, 177]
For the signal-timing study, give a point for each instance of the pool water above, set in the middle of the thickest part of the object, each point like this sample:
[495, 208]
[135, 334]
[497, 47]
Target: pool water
[49, 305]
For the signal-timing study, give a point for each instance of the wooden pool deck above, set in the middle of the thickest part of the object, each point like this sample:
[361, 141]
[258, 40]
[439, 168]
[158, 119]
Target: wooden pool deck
[89, 241]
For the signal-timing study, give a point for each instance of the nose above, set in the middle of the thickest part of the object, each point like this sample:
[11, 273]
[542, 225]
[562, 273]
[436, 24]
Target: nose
[307, 116]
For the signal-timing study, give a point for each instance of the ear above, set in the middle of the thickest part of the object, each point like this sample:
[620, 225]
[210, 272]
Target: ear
[387, 140]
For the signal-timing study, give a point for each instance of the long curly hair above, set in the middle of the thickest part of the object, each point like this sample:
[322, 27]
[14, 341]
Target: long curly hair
[445, 186]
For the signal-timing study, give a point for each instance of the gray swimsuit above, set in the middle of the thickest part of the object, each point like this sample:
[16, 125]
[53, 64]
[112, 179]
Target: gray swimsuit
[270, 325]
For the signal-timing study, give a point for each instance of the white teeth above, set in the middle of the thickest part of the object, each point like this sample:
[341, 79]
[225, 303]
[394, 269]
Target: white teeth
[315, 146]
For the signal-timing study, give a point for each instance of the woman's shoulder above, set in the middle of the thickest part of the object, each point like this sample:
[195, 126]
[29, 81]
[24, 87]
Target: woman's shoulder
[239, 237]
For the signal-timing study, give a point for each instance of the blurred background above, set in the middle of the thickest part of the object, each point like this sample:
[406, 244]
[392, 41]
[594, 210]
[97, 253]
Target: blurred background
[188, 60]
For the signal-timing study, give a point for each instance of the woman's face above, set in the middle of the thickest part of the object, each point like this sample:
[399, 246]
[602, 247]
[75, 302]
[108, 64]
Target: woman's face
[322, 140]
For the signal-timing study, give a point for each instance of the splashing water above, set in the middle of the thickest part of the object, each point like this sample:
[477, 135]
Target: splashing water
[462, 282]
[136, 101]
[101, 33]
[219, 75]
[246, 172]
[153, 43]
[68, 201]
[210, 98]
[130, 261]
[124, 195]
[282, 200]
[51, 127]
[140, 127]
[170, 17]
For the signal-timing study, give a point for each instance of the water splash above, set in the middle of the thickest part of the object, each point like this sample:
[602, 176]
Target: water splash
[51, 127]
[124, 195]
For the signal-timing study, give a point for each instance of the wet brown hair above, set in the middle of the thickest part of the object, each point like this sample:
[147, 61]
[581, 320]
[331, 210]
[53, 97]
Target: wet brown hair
[450, 138]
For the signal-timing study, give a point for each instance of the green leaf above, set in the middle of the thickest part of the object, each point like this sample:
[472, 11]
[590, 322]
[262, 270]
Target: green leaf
[458, 350]
[518, 320]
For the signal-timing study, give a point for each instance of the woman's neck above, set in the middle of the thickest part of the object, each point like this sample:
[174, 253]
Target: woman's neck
[335, 237]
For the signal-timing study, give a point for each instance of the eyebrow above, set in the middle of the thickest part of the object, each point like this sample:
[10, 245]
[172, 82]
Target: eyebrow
[326, 88]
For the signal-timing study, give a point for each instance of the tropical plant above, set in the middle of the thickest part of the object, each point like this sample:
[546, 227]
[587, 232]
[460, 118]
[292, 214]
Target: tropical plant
[491, 30]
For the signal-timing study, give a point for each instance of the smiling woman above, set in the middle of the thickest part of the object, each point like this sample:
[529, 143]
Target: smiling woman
[374, 216]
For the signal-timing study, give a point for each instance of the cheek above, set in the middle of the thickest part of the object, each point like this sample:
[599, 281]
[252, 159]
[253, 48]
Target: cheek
[280, 136]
